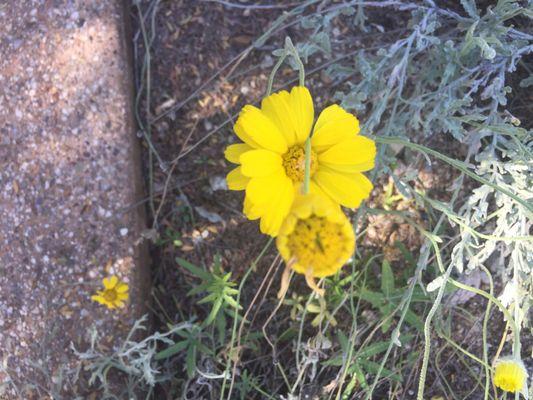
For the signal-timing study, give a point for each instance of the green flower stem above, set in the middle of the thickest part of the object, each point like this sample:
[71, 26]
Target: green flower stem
[289, 50]
[485, 329]
[289, 47]
[273, 74]
[465, 352]
[492, 299]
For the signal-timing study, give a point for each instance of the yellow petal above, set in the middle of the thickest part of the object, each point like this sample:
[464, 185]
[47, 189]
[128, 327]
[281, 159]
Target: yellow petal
[333, 126]
[260, 163]
[252, 211]
[315, 189]
[234, 151]
[302, 206]
[236, 180]
[98, 299]
[355, 154]
[303, 112]
[122, 296]
[265, 190]
[277, 107]
[287, 227]
[257, 130]
[111, 282]
[316, 202]
[273, 218]
[241, 134]
[122, 288]
[346, 189]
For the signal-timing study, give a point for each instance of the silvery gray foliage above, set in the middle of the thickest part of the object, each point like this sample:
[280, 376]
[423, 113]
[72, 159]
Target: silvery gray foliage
[448, 74]
[135, 359]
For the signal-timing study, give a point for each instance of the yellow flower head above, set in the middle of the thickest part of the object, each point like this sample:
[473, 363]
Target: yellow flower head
[316, 239]
[114, 294]
[272, 158]
[510, 375]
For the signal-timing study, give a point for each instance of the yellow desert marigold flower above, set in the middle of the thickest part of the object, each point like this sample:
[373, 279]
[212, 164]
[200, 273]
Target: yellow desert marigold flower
[272, 157]
[114, 295]
[510, 375]
[316, 239]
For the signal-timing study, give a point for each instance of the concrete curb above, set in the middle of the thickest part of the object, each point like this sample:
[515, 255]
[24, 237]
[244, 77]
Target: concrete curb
[69, 167]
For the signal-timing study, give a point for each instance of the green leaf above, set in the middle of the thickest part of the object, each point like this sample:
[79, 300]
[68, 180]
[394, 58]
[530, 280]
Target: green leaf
[412, 319]
[352, 384]
[379, 347]
[373, 368]
[230, 312]
[313, 308]
[231, 301]
[214, 311]
[343, 341]
[203, 348]
[418, 295]
[407, 255]
[209, 298]
[171, 350]
[190, 361]
[386, 310]
[193, 269]
[358, 371]
[469, 39]
[334, 362]
[387, 278]
[287, 335]
[376, 299]
[221, 324]
[230, 290]
[470, 8]
[486, 51]
[198, 289]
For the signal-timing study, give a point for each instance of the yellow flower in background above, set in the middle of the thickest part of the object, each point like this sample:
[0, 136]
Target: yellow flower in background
[316, 239]
[114, 295]
[510, 375]
[272, 157]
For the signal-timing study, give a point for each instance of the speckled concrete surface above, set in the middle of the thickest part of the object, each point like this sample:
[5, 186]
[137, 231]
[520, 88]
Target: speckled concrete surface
[68, 168]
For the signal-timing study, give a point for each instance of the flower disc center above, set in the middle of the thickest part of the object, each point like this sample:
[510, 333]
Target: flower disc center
[294, 163]
[110, 295]
[317, 241]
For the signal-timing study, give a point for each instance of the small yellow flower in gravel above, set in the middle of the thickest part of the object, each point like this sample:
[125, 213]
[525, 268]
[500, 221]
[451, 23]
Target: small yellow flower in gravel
[510, 375]
[316, 239]
[114, 294]
[272, 157]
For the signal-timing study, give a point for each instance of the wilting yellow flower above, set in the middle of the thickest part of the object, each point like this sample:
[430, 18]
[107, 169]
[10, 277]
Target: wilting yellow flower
[272, 157]
[510, 375]
[114, 294]
[316, 239]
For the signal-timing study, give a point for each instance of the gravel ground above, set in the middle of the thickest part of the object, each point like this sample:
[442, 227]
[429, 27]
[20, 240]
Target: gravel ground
[69, 173]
